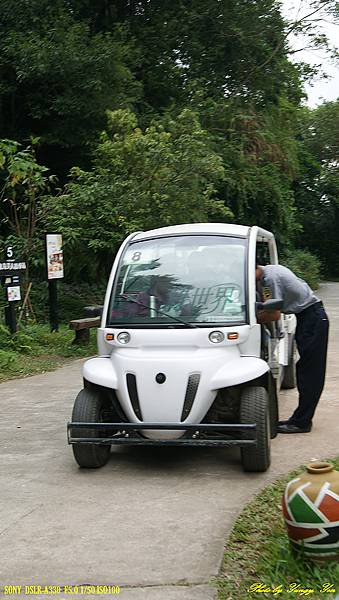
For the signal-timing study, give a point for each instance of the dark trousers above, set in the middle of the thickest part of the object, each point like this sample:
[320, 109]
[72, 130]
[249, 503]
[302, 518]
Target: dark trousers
[311, 337]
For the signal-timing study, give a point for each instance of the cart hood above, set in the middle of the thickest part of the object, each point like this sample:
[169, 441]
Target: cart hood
[175, 381]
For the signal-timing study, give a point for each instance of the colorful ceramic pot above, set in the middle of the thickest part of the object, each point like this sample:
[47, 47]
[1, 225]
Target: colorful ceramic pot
[311, 511]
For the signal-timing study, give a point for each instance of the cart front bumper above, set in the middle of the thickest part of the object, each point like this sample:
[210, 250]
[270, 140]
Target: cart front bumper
[201, 434]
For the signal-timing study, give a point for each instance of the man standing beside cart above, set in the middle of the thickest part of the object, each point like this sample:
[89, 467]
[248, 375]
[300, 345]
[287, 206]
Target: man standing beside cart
[276, 281]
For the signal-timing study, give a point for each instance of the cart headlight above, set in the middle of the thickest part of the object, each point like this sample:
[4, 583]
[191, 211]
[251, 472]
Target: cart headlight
[216, 337]
[124, 337]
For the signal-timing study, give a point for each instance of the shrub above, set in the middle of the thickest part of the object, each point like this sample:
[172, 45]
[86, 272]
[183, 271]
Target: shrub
[34, 349]
[6, 358]
[305, 265]
[21, 342]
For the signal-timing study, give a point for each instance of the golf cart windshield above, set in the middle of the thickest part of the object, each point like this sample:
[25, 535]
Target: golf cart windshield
[190, 279]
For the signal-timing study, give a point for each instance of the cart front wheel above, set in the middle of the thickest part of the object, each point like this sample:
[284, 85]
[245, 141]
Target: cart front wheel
[88, 408]
[254, 408]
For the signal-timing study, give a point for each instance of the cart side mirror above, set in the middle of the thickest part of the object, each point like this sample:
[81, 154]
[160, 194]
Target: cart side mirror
[272, 304]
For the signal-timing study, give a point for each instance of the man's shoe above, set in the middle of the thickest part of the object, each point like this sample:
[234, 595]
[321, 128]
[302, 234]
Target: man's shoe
[290, 428]
[286, 422]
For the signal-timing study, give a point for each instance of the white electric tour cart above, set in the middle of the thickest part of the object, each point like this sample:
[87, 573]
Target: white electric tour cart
[182, 359]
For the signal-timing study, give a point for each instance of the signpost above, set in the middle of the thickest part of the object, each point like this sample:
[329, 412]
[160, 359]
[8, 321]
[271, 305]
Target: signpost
[55, 271]
[10, 271]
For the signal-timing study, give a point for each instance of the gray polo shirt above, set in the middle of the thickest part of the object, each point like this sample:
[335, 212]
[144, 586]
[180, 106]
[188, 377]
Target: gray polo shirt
[280, 283]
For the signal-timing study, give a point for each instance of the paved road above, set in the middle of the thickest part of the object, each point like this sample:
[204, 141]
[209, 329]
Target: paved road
[152, 521]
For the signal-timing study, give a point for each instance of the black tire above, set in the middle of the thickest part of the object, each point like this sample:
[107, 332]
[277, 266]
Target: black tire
[254, 408]
[274, 406]
[88, 408]
[289, 381]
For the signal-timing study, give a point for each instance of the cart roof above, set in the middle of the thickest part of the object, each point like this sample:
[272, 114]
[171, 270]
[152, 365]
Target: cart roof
[197, 228]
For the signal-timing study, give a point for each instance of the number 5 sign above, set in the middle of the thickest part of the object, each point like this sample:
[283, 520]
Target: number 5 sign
[9, 252]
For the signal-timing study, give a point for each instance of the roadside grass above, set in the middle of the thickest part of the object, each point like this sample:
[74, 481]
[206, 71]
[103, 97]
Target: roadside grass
[258, 552]
[34, 349]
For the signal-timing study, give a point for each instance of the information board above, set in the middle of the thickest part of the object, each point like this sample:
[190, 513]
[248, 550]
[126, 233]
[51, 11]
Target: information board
[54, 256]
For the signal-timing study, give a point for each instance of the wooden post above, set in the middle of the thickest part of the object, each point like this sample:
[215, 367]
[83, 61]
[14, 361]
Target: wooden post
[54, 271]
[53, 304]
[10, 317]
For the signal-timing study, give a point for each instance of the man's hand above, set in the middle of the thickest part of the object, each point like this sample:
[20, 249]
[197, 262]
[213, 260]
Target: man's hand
[267, 316]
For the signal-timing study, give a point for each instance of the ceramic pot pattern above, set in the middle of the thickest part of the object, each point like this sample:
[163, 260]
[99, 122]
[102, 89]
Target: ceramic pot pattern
[311, 510]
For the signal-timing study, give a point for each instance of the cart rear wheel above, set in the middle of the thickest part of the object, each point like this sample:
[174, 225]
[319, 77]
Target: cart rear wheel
[88, 408]
[289, 381]
[254, 408]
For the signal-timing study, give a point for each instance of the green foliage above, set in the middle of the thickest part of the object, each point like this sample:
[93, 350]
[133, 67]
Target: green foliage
[317, 187]
[322, 134]
[305, 265]
[19, 342]
[204, 123]
[260, 157]
[6, 358]
[140, 180]
[34, 349]
[234, 49]
[23, 183]
[58, 76]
